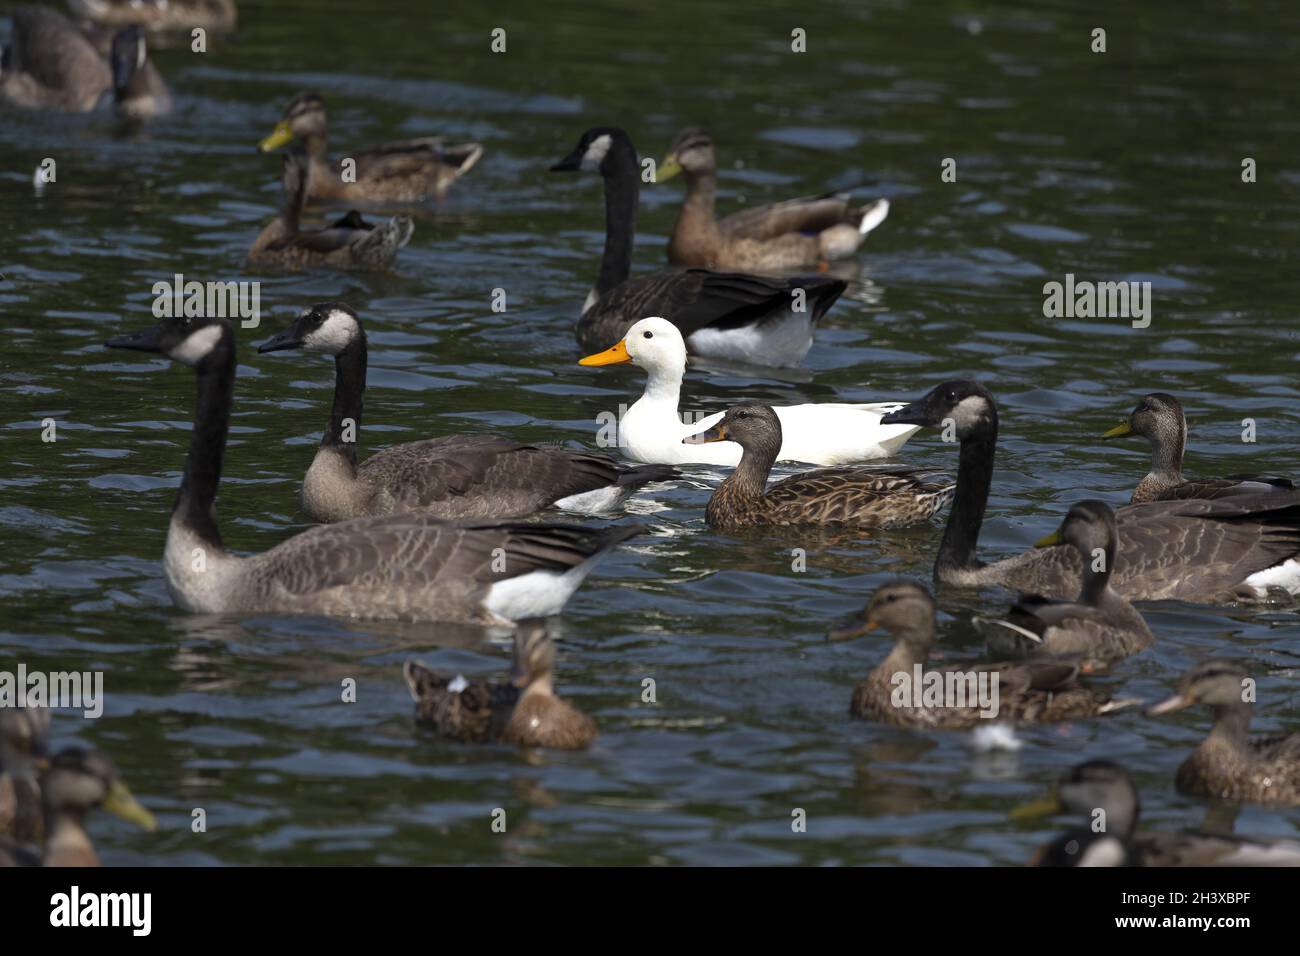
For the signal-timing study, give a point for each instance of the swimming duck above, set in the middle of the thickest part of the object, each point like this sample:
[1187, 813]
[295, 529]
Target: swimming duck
[1159, 419]
[525, 712]
[350, 243]
[454, 476]
[796, 234]
[1099, 627]
[732, 316]
[1241, 548]
[652, 429]
[406, 566]
[1228, 764]
[24, 739]
[1104, 795]
[78, 781]
[859, 497]
[214, 15]
[409, 171]
[1034, 691]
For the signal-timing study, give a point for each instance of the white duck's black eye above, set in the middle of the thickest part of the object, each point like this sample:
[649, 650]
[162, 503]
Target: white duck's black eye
[648, 335]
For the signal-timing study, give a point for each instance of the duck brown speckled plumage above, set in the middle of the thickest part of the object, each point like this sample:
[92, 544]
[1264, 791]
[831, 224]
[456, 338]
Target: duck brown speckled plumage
[525, 712]
[1228, 764]
[858, 497]
[1033, 691]
[795, 234]
[24, 740]
[349, 243]
[409, 171]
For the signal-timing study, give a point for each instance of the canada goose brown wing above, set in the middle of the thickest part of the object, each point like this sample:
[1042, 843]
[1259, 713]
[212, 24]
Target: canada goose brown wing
[410, 552]
[859, 495]
[805, 214]
[47, 47]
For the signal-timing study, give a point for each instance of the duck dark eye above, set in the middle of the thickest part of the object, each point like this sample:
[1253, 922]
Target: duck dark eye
[649, 335]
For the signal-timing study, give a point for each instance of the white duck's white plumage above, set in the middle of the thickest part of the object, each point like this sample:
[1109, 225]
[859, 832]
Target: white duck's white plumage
[652, 430]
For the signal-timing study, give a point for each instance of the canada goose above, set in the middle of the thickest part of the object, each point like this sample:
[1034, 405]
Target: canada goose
[1232, 549]
[1159, 419]
[1104, 795]
[525, 712]
[78, 781]
[138, 89]
[405, 566]
[50, 65]
[409, 171]
[722, 315]
[652, 430]
[1099, 626]
[24, 742]
[796, 234]
[454, 476]
[1033, 691]
[1228, 764]
[214, 15]
[350, 243]
[859, 497]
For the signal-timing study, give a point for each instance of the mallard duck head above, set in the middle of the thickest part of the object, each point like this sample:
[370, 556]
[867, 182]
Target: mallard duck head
[534, 657]
[330, 327]
[902, 607]
[24, 734]
[1159, 419]
[1089, 525]
[197, 341]
[964, 405]
[691, 151]
[751, 425]
[653, 343]
[1213, 683]
[595, 150]
[80, 779]
[304, 118]
[1087, 788]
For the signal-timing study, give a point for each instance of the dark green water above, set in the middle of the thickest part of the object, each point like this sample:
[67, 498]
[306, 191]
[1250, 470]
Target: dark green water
[1124, 165]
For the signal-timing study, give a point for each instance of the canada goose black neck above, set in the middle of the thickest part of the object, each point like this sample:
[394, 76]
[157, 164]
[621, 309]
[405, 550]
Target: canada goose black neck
[622, 191]
[216, 385]
[974, 479]
[349, 390]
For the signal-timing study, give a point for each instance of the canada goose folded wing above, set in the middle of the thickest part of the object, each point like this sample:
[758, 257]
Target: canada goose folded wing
[50, 64]
[804, 214]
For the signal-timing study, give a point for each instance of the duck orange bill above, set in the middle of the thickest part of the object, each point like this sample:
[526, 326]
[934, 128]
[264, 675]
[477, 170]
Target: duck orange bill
[852, 628]
[716, 433]
[613, 356]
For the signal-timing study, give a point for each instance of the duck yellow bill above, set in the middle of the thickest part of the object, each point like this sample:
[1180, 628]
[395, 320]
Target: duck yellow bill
[1119, 431]
[709, 435]
[611, 356]
[668, 168]
[279, 136]
[120, 802]
[1051, 541]
[1042, 807]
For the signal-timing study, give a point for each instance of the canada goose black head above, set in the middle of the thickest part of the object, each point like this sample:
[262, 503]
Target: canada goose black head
[303, 118]
[967, 404]
[597, 151]
[902, 607]
[80, 779]
[128, 56]
[1217, 684]
[692, 151]
[196, 341]
[330, 327]
[751, 425]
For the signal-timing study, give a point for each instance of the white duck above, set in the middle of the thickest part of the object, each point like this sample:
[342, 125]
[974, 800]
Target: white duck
[651, 430]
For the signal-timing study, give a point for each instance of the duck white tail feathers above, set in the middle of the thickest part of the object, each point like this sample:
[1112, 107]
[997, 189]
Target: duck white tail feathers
[873, 215]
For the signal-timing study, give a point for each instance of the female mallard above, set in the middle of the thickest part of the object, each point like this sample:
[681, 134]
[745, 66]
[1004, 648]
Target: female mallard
[160, 15]
[24, 738]
[652, 429]
[1225, 550]
[796, 234]
[1159, 419]
[525, 712]
[856, 497]
[1104, 795]
[1099, 627]
[1228, 764]
[350, 243]
[730, 316]
[77, 782]
[51, 65]
[454, 476]
[410, 171]
[405, 566]
[1035, 691]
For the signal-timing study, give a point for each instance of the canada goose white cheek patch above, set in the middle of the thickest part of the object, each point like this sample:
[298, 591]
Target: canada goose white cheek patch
[969, 411]
[334, 334]
[196, 346]
[596, 152]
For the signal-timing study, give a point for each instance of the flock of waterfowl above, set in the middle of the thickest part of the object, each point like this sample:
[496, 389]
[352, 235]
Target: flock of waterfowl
[448, 528]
